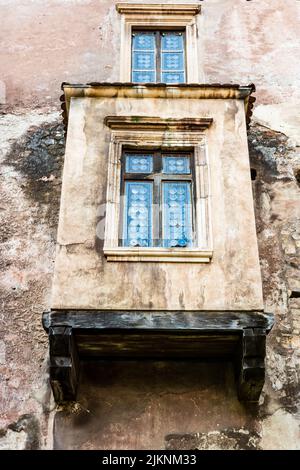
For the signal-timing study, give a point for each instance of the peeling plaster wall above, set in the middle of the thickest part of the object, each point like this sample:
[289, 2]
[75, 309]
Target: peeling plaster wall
[32, 148]
[277, 201]
[45, 43]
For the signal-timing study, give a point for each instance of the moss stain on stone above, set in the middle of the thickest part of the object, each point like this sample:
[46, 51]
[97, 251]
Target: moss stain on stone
[38, 156]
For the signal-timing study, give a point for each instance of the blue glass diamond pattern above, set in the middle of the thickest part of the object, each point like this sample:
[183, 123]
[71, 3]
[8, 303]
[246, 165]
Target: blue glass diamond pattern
[143, 61]
[168, 77]
[143, 58]
[177, 214]
[176, 165]
[144, 55]
[172, 61]
[172, 42]
[138, 214]
[139, 163]
[143, 77]
[143, 41]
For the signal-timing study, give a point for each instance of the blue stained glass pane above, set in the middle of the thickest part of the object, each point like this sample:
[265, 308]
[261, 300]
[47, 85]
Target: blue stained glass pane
[143, 77]
[143, 61]
[177, 214]
[172, 61]
[138, 214]
[143, 58]
[176, 165]
[139, 163]
[172, 42]
[143, 41]
[168, 77]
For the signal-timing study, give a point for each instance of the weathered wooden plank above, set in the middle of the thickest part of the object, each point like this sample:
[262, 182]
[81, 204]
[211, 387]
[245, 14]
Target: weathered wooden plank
[221, 321]
[147, 344]
[64, 363]
[238, 335]
[252, 365]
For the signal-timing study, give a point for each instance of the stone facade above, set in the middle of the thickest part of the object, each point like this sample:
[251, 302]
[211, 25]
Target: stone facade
[92, 282]
[199, 410]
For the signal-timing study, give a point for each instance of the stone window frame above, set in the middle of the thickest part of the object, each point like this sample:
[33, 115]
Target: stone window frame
[141, 133]
[159, 16]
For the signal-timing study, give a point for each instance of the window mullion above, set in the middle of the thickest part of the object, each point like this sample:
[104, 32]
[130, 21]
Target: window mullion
[158, 57]
[158, 192]
[156, 211]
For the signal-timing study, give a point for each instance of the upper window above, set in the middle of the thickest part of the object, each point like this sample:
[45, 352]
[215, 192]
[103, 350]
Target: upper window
[159, 42]
[158, 56]
[158, 199]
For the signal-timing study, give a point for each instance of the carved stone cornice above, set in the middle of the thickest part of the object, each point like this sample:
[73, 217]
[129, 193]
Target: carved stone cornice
[156, 123]
[157, 90]
[158, 8]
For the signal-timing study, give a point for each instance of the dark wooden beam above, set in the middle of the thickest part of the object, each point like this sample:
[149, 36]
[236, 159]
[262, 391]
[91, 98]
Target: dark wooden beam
[220, 321]
[251, 374]
[156, 344]
[64, 363]
[236, 335]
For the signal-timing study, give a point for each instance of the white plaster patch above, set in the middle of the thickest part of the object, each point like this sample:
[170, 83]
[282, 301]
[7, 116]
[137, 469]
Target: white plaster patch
[282, 117]
[280, 432]
[13, 440]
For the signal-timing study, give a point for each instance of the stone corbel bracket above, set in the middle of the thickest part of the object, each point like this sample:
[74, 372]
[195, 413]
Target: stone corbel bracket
[239, 336]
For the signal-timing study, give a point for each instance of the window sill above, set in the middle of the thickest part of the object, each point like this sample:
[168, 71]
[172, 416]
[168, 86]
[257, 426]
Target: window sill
[167, 255]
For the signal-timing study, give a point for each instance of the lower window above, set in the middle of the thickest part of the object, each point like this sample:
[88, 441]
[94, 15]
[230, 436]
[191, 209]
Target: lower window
[158, 207]
[158, 191]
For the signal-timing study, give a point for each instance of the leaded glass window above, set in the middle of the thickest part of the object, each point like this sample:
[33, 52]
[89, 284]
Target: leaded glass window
[158, 194]
[158, 56]
[138, 210]
[177, 214]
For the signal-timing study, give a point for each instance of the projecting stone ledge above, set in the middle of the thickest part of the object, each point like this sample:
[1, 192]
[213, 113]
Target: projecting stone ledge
[87, 334]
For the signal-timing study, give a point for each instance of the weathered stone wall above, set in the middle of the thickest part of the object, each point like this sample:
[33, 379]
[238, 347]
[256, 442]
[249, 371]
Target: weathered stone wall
[277, 200]
[45, 43]
[31, 162]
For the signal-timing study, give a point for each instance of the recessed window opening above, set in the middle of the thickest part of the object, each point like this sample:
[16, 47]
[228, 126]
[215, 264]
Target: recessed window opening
[158, 199]
[158, 56]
